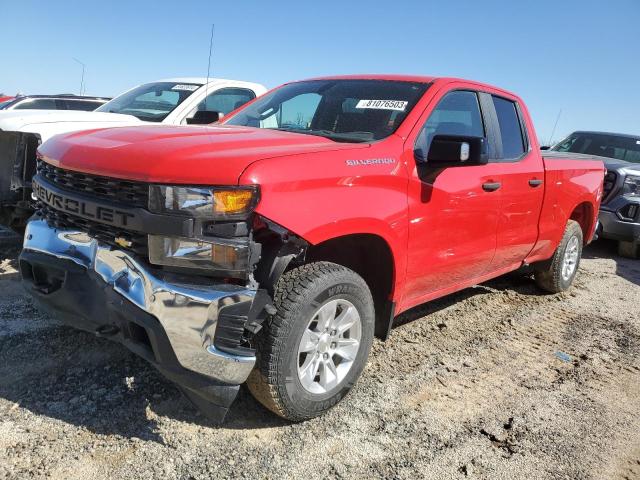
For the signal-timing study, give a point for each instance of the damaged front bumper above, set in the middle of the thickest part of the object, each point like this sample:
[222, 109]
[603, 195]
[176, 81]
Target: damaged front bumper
[174, 322]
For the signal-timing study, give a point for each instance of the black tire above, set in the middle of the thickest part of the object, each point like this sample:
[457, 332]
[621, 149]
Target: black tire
[299, 293]
[629, 249]
[549, 275]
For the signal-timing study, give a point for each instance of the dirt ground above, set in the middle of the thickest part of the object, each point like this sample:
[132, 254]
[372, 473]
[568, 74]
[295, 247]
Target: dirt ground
[497, 381]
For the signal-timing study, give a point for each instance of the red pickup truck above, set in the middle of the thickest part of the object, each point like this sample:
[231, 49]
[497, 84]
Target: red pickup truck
[272, 247]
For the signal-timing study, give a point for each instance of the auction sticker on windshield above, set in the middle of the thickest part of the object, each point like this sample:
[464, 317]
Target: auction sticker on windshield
[189, 88]
[399, 105]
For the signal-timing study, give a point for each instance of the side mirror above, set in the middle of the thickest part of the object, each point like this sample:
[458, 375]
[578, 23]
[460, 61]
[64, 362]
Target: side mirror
[456, 150]
[203, 117]
[545, 147]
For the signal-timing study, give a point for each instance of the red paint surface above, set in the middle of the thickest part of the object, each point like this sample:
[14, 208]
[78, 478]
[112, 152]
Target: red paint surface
[444, 235]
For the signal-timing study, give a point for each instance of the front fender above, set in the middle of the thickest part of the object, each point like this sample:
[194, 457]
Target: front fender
[321, 197]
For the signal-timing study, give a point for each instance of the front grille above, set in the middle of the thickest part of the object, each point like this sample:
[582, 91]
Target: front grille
[609, 183]
[124, 192]
[100, 231]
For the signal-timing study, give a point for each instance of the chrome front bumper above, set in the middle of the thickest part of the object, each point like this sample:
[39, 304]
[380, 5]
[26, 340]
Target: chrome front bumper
[187, 312]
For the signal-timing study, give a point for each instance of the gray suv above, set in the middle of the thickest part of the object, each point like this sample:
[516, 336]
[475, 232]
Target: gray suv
[620, 209]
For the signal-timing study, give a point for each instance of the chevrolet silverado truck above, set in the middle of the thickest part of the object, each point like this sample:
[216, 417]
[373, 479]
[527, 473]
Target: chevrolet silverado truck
[177, 101]
[619, 217]
[271, 248]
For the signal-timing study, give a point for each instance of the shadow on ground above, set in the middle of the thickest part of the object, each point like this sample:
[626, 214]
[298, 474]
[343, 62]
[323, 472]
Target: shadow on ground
[9, 250]
[101, 386]
[521, 283]
[627, 268]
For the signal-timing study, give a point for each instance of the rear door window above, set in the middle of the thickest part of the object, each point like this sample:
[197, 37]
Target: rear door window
[513, 142]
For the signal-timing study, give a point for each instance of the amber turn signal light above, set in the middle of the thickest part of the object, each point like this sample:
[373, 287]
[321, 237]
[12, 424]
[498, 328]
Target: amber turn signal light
[229, 202]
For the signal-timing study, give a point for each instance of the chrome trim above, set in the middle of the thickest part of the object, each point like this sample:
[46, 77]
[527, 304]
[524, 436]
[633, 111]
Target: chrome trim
[187, 312]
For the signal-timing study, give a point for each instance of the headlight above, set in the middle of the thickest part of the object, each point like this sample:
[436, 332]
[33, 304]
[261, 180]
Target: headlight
[631, 186]
[220, 203]
[207, 206]
[232, 257]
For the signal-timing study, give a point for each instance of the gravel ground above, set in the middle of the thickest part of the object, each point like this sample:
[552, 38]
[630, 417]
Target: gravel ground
[497, 381]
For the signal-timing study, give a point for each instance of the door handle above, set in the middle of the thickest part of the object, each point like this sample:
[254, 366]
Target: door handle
[491, 186]
[534, 182]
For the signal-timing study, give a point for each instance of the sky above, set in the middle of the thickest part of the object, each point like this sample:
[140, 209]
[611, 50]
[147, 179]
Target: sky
[574, 61]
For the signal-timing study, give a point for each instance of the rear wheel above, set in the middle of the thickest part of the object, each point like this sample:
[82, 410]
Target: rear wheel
[629, 249]
[557, 274]
[313, 350]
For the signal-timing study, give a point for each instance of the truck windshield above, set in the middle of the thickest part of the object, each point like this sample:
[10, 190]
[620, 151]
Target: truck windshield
[341, 110]
[620, 147]
[152, 102]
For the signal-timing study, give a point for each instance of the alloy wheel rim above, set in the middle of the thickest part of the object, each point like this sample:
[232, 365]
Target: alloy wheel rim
[329, 346]
[570, 260]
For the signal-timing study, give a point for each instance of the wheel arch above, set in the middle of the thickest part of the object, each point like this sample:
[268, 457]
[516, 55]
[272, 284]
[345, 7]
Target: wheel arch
[371, 257]
[367, 253]
[584, 214]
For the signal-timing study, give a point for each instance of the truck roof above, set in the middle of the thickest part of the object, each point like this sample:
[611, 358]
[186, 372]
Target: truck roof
[67, 96]
[392, 77]
[201, 80]
[413, 78]
[592, 132]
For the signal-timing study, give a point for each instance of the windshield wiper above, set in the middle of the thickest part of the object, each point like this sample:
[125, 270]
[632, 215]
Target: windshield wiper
[331, 135]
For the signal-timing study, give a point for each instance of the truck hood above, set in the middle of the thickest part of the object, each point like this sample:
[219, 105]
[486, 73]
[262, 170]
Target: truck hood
[613, 164]
[60, 121]
[199, 155]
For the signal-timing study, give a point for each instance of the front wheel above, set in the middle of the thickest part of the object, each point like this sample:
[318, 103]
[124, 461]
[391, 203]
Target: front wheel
[311, 353]
[557, 274]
